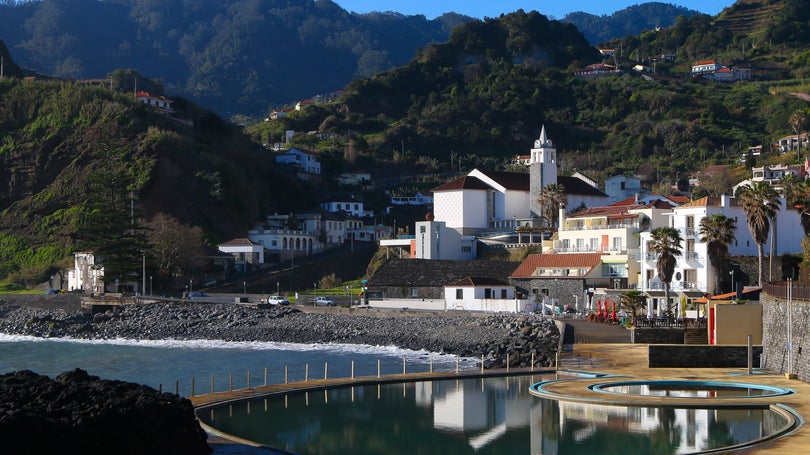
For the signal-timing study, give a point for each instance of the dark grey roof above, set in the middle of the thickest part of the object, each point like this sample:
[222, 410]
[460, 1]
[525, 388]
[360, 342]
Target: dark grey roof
[435, 273]
[574, 185]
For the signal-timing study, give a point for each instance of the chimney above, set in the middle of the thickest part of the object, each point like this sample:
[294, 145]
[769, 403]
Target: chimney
[561, 217]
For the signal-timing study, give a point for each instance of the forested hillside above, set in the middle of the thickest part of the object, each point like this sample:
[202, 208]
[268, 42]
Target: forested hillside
[85, 167]
[629, 21]
[236, 56]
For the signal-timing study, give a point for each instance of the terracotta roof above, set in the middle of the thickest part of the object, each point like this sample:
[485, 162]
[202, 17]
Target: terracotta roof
[610, 211]
[704, 62]
[548, 261]
[462, 183]
[438, 273]
[629, 201]
[240, 242]
[678, 199]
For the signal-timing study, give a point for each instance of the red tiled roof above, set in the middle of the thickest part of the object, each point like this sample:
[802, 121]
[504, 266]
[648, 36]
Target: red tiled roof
[629, 201]
[704, 62]
[610, 211]
[678, 199]
[546, 261]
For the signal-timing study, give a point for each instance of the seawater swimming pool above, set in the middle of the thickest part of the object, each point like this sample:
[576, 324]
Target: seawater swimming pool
[483, 416]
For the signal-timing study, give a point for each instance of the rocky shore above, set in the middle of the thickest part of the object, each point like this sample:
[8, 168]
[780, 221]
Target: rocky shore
[515, 339]
[75, 413]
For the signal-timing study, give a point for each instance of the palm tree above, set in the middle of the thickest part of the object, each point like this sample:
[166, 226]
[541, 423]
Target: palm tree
[550, 198]
[797, 121]
[633, 301]
[760, 202]
[666, 244]
[797, 193]
[717, 231]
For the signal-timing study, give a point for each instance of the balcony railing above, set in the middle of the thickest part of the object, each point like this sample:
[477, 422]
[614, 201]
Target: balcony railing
[596, 227]
[676, 286]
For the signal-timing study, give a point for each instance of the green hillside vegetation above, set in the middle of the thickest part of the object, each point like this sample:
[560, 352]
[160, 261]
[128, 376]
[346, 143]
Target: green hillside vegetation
[77, 160]
[629, 21]
[235, 57]
[480, 98]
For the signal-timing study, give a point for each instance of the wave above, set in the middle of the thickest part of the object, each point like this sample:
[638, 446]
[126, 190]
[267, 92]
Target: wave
[333, 348]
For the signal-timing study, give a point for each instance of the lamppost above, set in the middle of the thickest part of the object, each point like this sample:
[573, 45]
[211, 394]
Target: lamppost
[190, 285]
[733, 288]
[278, 288]
[244, 288]
[151, 289]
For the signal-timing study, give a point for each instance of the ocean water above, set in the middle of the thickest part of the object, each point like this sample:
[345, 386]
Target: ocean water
[173, 364]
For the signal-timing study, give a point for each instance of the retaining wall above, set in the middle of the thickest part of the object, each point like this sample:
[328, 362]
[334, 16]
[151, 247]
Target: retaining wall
[775, 331]
[701, 356]
[656, 336]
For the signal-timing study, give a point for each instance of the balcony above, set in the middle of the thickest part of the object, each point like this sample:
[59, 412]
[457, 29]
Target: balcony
[596, 227]
[675, 286]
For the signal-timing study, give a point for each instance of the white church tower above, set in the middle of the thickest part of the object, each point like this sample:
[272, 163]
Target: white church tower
[542, 170]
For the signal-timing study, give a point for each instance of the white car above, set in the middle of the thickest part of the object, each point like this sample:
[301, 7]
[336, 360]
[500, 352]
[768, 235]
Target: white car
[277, 300]
[323, 301]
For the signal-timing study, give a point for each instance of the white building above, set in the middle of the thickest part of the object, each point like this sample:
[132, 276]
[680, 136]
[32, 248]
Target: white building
[304, 159]
[349, 204]
[694, 275]
[620, 187]
[85, 275]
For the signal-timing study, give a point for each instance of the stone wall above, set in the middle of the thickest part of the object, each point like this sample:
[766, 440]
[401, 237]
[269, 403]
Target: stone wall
[775, 335]
[701, 356]
[656, 336]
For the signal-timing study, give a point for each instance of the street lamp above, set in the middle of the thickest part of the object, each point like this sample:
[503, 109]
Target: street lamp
[278, 288]
[733, 288]
[244, 287]
[190, 285]
[151, 289]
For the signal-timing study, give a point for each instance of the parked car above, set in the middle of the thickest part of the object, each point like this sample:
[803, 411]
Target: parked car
[277, 300]
[323, 301]
[194, 294]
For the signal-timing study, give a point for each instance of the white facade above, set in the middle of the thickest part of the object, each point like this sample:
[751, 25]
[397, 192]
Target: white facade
[694, 275]
[349, 205]
[462, 209]
[435, 240]
[85, 275]
[490, 298]
[303, 159]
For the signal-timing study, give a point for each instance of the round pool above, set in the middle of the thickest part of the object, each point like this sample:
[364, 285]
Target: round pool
[690, 389]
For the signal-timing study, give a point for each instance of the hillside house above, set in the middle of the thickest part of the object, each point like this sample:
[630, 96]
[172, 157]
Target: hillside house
[794, 142]
[620, 187]
[705, 67]
[246, 253]
[350, 204]
[160, 103]
[305, 160]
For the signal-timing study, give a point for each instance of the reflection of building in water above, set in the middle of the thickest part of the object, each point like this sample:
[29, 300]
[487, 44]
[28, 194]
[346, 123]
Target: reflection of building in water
[560, 427]
[485, 408]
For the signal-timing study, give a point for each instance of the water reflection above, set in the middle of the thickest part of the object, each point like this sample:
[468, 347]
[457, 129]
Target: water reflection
[482, 416]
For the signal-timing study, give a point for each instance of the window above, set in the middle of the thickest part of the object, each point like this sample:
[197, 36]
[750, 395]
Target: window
[422, 229]
[617, 243]
[459, 294]
[594, 244]
[566, 244]
[503, 293]
[580, 244]
[487, 293]
[466, 249]
[614, 270]
[690, 276]
[414, 292]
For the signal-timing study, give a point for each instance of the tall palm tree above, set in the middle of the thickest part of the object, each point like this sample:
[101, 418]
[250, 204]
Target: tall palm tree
[760, 202]
[666, 243]
[550, 198]
[797, 121]
[797, 193]
[717, 231]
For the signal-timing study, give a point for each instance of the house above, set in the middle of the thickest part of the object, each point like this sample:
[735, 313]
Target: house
[245, 252]
[354, 178]
[422, 284]
[560, 279]
[607, 52]
[158, 102]
[351, 204]
[85, 276]
[434, 240]
[620, 187]
[705, 67]
[773, 174]
[303, 104]
[597, 70]
[420, 198]
[724, 74]
[288, 236]
[303, 159]
[794, 142]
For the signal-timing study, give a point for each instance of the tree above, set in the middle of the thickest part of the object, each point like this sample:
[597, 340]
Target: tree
[797, 194]
[718, 232]
[550, 198]
[797, 121]
[633, 301]
[760, 202]
[174, 248]
[666, 244]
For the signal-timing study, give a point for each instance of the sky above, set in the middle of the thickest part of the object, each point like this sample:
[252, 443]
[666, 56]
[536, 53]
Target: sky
[494, 8]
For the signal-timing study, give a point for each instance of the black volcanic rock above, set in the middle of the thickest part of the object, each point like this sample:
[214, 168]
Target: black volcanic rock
[82, 414]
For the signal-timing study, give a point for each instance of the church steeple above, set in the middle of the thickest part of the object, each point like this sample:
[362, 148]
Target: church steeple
[542, 169]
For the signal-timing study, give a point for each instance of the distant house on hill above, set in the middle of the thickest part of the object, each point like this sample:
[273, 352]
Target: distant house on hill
[158, 102]
[705, 67]
[306, 160]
